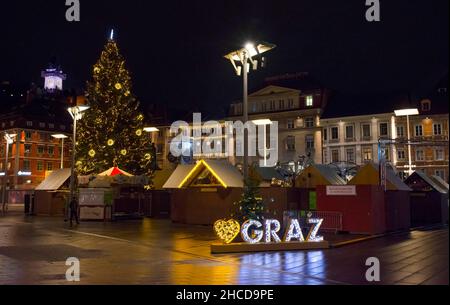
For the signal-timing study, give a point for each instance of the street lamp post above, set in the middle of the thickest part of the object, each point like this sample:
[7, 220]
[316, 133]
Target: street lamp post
[407, 113]
[76, 113]
[245, 57]
[152, 131]
[9, 138]
[62, 137]
[264, 123]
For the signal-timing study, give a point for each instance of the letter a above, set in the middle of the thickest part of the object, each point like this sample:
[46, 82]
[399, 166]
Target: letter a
[373, 12]
[73, 273]
[73, 12]
[373, 273]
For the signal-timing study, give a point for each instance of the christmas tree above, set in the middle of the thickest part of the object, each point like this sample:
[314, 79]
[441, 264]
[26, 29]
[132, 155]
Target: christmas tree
[251, 205]
[111, 133]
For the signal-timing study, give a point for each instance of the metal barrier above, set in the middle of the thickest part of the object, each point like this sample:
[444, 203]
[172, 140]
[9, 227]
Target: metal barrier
[332, 221]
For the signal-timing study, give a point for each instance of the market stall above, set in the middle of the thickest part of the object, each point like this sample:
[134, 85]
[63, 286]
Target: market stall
[429, 200]
[51, 196]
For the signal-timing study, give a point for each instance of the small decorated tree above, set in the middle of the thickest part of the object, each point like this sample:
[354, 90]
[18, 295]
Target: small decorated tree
[251, 205]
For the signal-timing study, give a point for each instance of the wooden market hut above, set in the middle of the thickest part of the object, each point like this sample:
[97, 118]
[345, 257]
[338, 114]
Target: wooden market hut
[396, 199]
[51, 195]
[429, 199]
[204, 192]
[309, 179]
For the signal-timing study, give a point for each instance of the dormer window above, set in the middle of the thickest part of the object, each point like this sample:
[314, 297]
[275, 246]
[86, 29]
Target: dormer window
[425, 105]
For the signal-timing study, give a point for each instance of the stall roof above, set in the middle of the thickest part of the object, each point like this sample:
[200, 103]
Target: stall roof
[114, 171]
[417, 179]
[161, 177]
[318, 174]
[369, 174]
[268, 173]
[177, 176]
[55, 180]
[227, 174]
[441, 182]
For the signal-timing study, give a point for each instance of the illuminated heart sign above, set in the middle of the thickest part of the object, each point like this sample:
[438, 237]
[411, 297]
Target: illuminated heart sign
[227, 230]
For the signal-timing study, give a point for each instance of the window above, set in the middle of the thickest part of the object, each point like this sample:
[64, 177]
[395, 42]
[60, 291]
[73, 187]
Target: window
[309, 101]
[51, 125]
[334, 133]
[366, 131]
[29, 124]
[40, 166]
[309, 142]
[290, 103]
[309, 122]
[400, 131]
[440, 173]
[349, 132]
[426, 105]
[62, 127]
[290, 143]
[290, 124]
[420, 155]
[384, 129]
[50, 150]
[325, 156]
[419, 130]
[272, 105]
[401, 154]
[41, 149]
[350, 154]
[49, 166]
[27, 149]
[26, 165]
[439, 154]
[367, 154]
[387, 154]
[42, 125]
[28, 135]
[325, 134]
[437, 129]
[281, 104]
[334, 155]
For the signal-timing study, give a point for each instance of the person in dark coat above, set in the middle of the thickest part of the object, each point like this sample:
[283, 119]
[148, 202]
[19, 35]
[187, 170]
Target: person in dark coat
[73, 206]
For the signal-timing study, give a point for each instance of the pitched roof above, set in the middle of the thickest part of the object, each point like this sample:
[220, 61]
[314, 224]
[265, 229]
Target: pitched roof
[330, 174]
[55, 180]
[178, 176]
[369, 175]
[412, 182]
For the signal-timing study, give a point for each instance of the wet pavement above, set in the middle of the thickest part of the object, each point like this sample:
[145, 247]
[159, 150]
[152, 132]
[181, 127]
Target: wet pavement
[33, 250]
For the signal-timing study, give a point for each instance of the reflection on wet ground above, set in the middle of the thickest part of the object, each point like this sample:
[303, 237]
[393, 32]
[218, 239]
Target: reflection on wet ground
[34, 250]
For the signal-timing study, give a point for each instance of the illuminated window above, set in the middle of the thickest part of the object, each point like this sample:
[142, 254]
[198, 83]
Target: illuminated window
[367, 153]
[309, 101]
[40, 166]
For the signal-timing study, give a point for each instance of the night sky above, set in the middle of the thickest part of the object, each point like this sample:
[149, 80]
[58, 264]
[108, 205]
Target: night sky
[175, 49]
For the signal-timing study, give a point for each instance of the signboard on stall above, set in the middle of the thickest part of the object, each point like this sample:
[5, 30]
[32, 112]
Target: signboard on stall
[341, 190]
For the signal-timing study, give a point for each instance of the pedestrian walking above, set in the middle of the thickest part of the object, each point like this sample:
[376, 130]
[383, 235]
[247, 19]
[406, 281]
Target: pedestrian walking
[73, 206]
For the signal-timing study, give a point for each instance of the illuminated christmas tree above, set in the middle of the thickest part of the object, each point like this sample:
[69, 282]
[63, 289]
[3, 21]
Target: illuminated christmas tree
[111, 133]
[251, 205]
